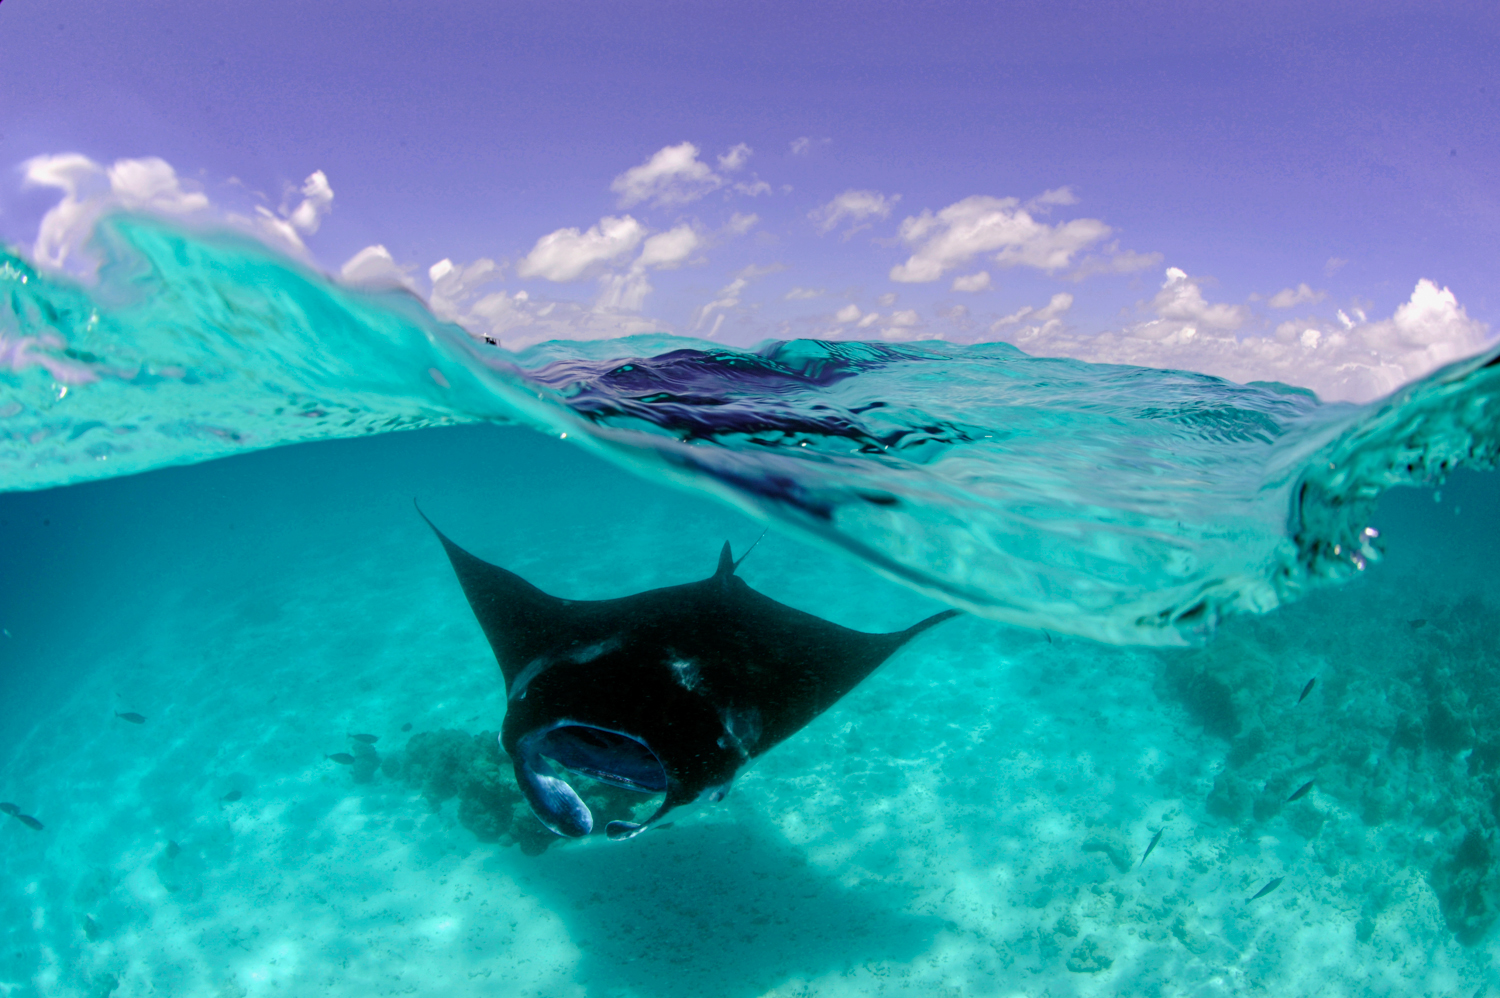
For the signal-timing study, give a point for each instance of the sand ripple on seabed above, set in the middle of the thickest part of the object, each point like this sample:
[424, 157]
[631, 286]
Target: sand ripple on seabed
[968, 822]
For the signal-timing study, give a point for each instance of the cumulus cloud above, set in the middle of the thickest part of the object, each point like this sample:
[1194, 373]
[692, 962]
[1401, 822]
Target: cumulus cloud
[89, 190]
[374, 266]
[568, 254]
[1181, 301]
[735, 158]
[1354, 358]
[800, 146]
[729, 297]
[856, 207]
[1045, 201]
[972, 282]
[150, 184]
[740, 223]
[1002, 226]
[316, 203]
[1060, 303]
[673, 175]
[849, 313]
[1290, 297]
[663, 251]
[887, 300]
[517, 320]
[801, 294]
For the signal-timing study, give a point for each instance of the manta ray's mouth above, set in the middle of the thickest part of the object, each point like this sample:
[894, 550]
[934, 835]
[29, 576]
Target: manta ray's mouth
[611, 757]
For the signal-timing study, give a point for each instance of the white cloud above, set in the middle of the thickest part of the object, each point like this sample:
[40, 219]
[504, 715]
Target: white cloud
[981, 224]
[663, 251]
[849, 313]
[317, 202]
[673, 175]
[854, 206]
[800, 146]
[1354, 359]
[1044, 202]
[739, 223]
[149, 185]
[90, 190]
[887, 300]
[453, 285]
[667, 250]
[729, 297]
[1060, 303]
[1181, 301]
[972, 282]
[869, 320]
[374, 265]
[516, 321]
[1334, 265]
[752, 188]
[801, 294]
[1057, 305]
[1288, 297]
[735, 158]
[567, 254]
[905, 319]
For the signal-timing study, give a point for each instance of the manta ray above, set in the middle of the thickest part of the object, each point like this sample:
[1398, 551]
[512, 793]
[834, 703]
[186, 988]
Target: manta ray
[671, 691]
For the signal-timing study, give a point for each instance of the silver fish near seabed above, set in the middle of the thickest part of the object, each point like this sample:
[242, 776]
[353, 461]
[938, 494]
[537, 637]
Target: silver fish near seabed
[1154, 839]
[1268, 888]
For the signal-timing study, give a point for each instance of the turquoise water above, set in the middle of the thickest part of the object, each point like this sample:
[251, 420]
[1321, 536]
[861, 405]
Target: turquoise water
[1156, 564]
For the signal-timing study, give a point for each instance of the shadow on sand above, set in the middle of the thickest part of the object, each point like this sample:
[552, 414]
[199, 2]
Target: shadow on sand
[716, 909]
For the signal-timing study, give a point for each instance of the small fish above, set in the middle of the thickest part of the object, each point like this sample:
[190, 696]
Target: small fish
[1049, 637]
[1418, 624]
[1301, 791]
[173, 849]
[8, 808]
[406, 726]
[30, 822]
[342, 758]
[1154, 839]
[367, 739]
[232, 796]
[1268, 888]
[130, 716]
[90, 928]
[1307, 689]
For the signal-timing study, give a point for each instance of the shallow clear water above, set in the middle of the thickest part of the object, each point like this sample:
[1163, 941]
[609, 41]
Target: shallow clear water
[969, 821]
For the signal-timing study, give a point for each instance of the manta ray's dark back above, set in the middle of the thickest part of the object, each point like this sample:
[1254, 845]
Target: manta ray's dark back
[671, 690]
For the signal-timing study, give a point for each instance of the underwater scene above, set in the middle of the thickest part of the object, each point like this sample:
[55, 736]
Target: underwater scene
[1216, 717]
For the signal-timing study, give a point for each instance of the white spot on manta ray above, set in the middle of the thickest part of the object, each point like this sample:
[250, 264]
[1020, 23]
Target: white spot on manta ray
[686, 671]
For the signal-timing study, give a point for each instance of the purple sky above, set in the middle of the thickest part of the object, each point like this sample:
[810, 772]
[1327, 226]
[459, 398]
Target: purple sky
[1354, 148]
